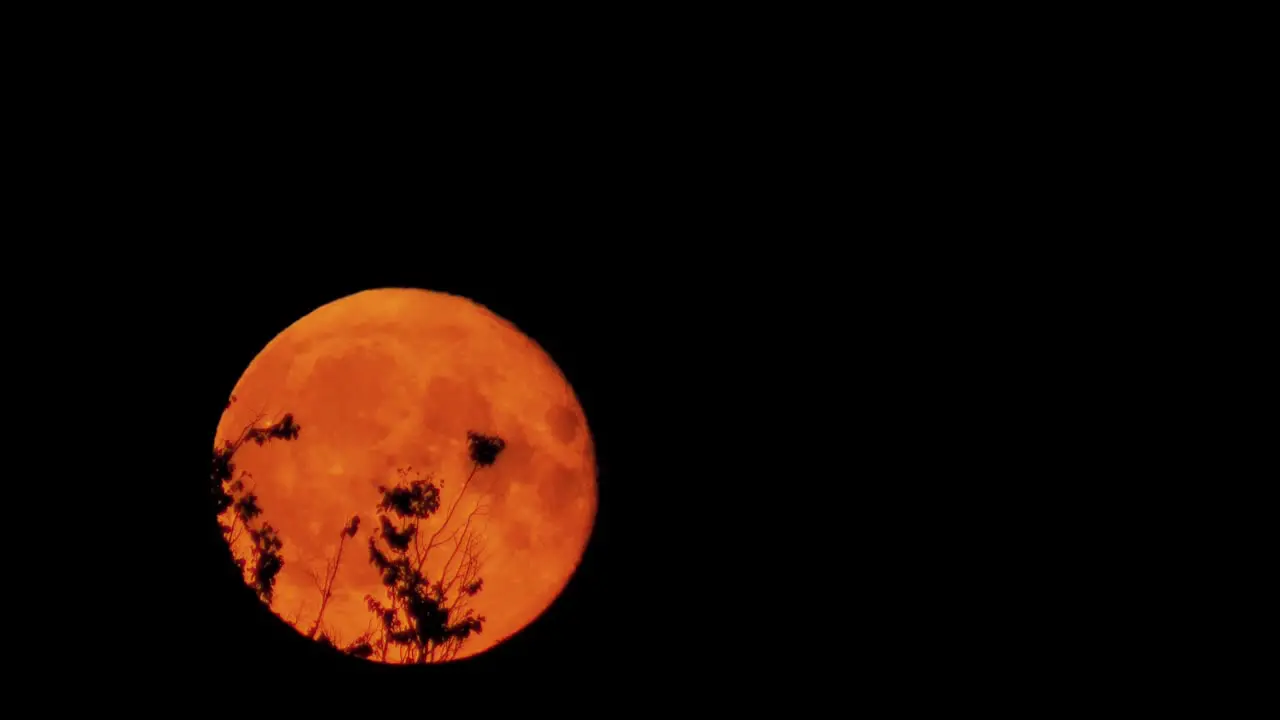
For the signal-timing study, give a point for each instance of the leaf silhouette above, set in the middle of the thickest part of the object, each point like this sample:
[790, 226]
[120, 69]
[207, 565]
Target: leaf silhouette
[426, 619]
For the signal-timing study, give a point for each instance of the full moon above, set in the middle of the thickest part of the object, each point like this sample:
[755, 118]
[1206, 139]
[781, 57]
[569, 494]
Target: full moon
[387, 384]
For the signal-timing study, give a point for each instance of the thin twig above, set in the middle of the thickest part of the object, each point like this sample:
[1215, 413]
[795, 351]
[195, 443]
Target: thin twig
[449, 516]
[445, 569]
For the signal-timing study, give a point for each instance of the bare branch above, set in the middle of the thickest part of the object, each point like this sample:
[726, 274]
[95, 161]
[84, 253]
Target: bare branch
[315, 579]
[480, 509]
[449, 516]
[444, 570]
[409, 622]
[245, 432]
[331, 574]
[466, 574]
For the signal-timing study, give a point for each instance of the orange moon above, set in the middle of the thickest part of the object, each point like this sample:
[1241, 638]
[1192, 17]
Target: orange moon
[395, 378]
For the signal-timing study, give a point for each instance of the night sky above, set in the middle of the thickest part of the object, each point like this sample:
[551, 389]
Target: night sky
[759, 490]
[629, 351]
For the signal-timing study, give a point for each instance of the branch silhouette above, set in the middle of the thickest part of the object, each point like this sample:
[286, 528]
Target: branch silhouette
[225, 493]
[331, 574]
[421, 621]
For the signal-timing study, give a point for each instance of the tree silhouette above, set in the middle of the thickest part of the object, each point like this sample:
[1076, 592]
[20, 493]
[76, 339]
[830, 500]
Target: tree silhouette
[361, 646]
[226, 492]
[423, 620]
[425, 617]
[331, 573]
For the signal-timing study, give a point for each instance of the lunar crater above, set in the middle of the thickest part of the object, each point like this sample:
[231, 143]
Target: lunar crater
[563, 422]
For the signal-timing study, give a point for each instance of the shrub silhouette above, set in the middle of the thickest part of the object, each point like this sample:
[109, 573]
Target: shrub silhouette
[422, 620]
[226, 492]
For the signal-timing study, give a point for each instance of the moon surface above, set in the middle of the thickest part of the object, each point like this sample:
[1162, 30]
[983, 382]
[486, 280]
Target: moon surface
[395, 378]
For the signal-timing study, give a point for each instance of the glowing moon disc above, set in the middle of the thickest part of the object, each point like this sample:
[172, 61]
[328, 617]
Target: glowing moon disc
[395, 378]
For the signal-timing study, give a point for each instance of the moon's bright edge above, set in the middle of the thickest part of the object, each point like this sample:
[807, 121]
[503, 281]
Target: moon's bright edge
[395, 378]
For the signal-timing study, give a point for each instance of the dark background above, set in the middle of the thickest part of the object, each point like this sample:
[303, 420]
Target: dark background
[650, 361]
[790, 452]
[783, 440]
[816, 401]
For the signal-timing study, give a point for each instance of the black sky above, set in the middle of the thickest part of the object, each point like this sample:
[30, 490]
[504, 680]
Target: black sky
[762, 498]
[635, 353]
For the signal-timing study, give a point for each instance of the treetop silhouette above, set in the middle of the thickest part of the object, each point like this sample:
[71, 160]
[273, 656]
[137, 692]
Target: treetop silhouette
[226, 492]
[423, 617]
